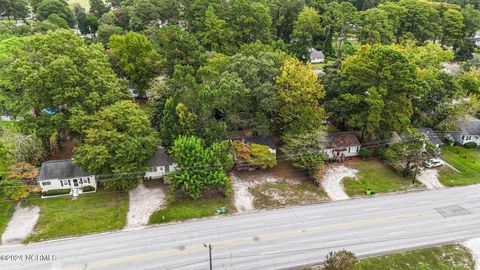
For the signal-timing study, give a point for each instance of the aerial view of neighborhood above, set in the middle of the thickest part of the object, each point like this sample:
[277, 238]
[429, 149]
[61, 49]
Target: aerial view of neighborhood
[240, 134]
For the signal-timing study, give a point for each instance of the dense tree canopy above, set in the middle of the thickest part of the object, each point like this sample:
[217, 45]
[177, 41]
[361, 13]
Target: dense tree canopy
[55, 76]
[117, 140]
[58, 7]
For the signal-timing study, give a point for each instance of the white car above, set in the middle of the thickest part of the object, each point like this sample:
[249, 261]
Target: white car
[433, 163]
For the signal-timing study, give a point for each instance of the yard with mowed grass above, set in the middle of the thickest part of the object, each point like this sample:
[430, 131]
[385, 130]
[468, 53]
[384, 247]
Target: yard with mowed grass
[467, 161]
[449, 257]
[375, 175]
[90, 213]
[182, 209]
[6, 212]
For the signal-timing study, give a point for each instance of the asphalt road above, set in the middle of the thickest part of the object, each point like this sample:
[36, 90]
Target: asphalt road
[275, 239]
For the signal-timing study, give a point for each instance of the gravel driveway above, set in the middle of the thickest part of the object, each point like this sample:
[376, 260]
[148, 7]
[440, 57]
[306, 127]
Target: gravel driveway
[143, 202]
[429, 177]
[332, 182]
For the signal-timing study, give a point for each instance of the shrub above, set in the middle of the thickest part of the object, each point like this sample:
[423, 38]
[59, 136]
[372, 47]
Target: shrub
[365, 153]
[471, 145]
[88, 189]
[241, 150]
[340, 260]
[55, 192]
[261, 156]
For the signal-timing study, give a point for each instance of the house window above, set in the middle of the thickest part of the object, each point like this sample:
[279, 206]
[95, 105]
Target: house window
[463, 137]
[88, 179]
[65, 182]
[358, 149]
[153, 169]
[349, 150]
[46, 183]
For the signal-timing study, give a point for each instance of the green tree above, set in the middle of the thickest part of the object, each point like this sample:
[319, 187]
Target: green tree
[376, 27]
[215, 36]
[471, 20]
[57, 75]
[452, 28]
[421, 20]
[305, 149]
[177, 47]
[105, 31]
[13, 189]
[284, 13]
[299, 94]
[15, 9]
[306, 31]
[469, 81]
[136, 57]
[249, 21]
[406, 157]
[98, 8]
[199, 167]
[373, 93]
[116, 140]
[348, 17]
[55, 19]
[58, 7]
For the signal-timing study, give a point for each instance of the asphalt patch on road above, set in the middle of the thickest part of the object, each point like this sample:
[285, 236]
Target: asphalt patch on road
[452, 211]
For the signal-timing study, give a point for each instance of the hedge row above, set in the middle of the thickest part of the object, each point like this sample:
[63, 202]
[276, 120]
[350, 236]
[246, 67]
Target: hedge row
[55, 192]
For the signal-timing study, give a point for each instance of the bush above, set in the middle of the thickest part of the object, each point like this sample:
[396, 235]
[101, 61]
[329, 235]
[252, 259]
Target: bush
[262, 157]
[470, 145]
[55, 192]
[88, 189]
[340, 260]
[365, 153]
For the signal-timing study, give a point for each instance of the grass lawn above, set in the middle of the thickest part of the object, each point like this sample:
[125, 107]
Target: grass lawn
[6, 212]
[276, 194]
[449, 257]
[90, 213]
[184, 208]
[467, 161]
[375, 175]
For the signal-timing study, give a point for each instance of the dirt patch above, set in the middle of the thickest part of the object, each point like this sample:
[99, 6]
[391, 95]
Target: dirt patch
[429, 177]
[332, 181]
[21, 225]
[282, 185]
[143, 202]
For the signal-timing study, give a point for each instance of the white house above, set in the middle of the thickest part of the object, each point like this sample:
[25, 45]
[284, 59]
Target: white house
[61, 177]
[431, 136]
[341, 145]
[469, 131]
[160, 165]
[316, 56]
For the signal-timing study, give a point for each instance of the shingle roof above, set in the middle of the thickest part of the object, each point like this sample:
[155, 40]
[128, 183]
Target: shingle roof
[161, 158]
[340, 140]
[262, 140]
[470, 125]
[60, 169]
[315, 54]
[431, 136]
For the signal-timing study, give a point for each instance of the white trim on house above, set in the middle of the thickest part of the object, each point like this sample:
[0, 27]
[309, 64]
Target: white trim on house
[75, 184]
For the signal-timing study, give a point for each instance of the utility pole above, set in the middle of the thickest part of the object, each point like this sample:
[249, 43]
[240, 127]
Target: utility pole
[209, 254]
[419, 157]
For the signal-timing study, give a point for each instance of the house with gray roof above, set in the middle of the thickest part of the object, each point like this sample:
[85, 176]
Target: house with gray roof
[469, 131]
[316, 56]
[160, 165]
[431, 136]
[62, 177]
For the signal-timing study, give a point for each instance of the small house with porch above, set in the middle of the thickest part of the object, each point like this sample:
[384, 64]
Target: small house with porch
[62, 177]
[341, 145]
[160, 165]
[469, 131]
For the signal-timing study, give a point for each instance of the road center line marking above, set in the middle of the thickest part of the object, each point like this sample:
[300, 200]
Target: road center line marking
[249, 240]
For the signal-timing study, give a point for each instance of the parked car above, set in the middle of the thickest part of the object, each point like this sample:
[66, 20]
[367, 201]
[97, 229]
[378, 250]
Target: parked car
[433, 163]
